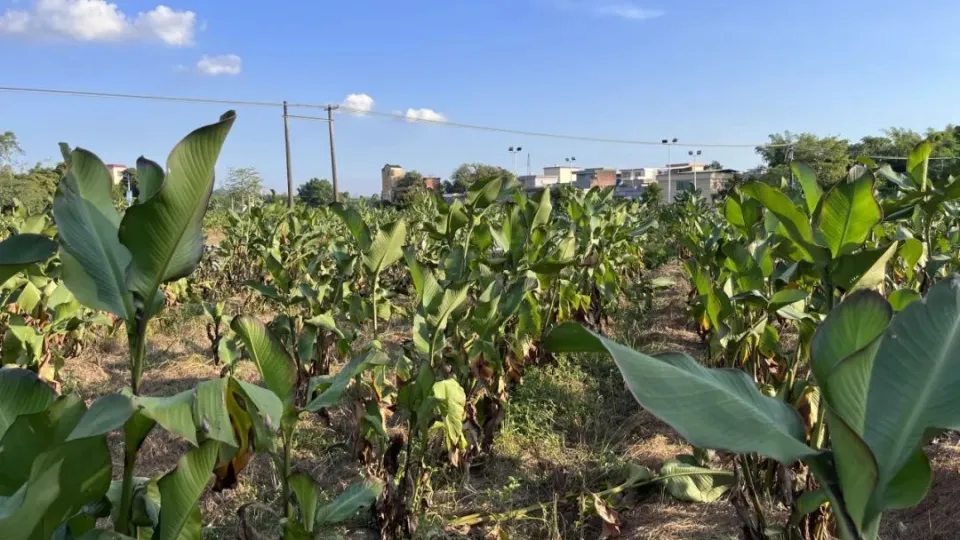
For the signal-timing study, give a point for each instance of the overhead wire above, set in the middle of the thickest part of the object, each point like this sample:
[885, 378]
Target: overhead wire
[398, 116]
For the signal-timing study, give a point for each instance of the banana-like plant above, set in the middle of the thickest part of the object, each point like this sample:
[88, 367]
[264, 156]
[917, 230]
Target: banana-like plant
[887, 384]
[54, 449]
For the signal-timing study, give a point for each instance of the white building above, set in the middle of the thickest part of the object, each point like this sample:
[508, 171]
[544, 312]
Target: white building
[533, 182]
[676, 178]
[116, 172]
[566, 175]
[389, 176]
[642, 176]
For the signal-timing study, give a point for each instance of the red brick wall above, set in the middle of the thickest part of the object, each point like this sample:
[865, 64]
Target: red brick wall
[605, 178]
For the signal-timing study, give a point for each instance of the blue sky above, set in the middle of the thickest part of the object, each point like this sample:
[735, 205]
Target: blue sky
[700, 70]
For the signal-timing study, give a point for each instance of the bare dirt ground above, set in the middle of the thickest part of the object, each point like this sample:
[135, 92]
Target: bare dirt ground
[571, 428]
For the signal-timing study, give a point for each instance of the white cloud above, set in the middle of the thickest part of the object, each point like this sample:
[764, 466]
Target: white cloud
[428, 115]
[99, 20]
[623, 9]
[359, 103]
[224, 64]
[171, 27]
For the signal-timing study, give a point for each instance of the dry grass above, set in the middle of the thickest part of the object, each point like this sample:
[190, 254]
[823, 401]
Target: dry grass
[571, 428]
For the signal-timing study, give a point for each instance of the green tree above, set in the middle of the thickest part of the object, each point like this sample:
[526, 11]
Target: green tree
[9, 149]
[316, 192]
[243, 185]
[33, 188]
[829, 156]
[411, 178]
[714, 165]
[468, 173]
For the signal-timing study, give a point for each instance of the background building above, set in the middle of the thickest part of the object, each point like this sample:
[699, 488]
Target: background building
[116, 172]
[389, 176]
[596, 177]
[684, 176]
[534, 182]
[565, 175]
[642, 176]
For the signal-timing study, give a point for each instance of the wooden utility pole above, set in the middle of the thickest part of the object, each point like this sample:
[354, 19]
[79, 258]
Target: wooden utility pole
[333, 153]
[286, 141]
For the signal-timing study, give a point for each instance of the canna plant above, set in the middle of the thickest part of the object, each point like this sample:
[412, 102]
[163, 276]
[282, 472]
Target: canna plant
[53, 449]
[887, 385]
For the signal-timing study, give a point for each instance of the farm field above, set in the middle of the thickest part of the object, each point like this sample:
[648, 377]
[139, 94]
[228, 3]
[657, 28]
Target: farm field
[778, 363]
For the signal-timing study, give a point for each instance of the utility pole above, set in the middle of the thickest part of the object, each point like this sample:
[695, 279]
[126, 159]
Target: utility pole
[286, 141]
[333, 152]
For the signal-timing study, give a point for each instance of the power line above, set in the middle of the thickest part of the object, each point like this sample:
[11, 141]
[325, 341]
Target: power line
[398, 116]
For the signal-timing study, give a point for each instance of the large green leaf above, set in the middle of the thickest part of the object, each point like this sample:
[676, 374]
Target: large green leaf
[484, 192]
[164, 234]
[352, 500]
[88, 222]
[180, 489]
[31, 434]
[210, 412]
[277, 368]
[61, 482]
[354, 222]
[918, 163]
[712, 408]
[21, 392]
[808, 183]
[106, 414]
[21, 250]
[846, 215]
[387, 247]
[449, 402]
[915, 376]
[793, 221]
[173, 413]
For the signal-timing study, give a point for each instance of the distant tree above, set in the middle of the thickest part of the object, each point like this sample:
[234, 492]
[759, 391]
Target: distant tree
[244, 185]
[9, 149]
[33, 188]
[714, 165]
[316, 192]
[410, 178]
[468, 173]
[828, 156]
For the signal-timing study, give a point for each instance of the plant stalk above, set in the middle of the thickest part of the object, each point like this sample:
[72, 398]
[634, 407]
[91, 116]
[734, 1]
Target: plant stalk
[284, 483]
[126, 493]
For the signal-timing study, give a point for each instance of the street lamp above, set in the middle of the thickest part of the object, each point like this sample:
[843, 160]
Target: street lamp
[694, 155]
[669, 143]
[515, 150]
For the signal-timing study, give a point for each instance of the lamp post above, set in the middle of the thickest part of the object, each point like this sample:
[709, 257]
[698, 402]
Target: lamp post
[694, 155]
[669, 143]
[515, 150]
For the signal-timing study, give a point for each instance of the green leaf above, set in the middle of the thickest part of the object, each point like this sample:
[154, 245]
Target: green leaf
[330, 394]
[210, 412]
[173, 413]
[449, 400]
[915, 376]
[793, 221]
[180, 489]
[308, 497]
[911, 484]
[901, 298]
[354, 223]
[265, 401]
[724, 410]
[277, 368]
[387, 247]
[106, 414]
[21, 392]
[62, 481]
[785, 297]
[484, 192]
[918, 163]
[19, 251]
[807, 178]
[88, 222]
[149, 179]
[850, 269]
[164, 234]
[31, 434]
[28, 298]
[874, 276]
[353, 499]
[707, 486]
[848, 213]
